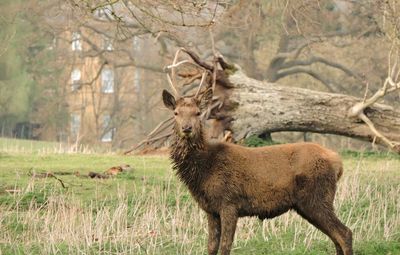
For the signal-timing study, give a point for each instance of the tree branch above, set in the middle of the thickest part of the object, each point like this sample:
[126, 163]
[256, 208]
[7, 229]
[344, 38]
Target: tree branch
[315, 59]
[333, 87]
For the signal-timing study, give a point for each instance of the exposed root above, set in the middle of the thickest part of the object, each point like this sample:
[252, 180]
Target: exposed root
[391, 84]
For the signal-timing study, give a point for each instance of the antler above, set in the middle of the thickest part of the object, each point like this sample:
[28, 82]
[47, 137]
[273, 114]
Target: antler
[163, 131]
[203, 77]
[172, 78]
[174, 64]
[175, 91]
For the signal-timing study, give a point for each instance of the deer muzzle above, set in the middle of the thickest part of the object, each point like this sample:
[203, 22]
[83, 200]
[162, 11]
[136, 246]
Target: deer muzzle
[187, 129]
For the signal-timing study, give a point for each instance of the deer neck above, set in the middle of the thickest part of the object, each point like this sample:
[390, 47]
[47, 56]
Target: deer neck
[189, 159]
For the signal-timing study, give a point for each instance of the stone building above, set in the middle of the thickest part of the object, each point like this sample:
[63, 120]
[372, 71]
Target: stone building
[105, 96]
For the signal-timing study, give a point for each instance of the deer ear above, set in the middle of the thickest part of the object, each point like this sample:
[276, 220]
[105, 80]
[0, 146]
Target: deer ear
[169, 100]
[205, 99]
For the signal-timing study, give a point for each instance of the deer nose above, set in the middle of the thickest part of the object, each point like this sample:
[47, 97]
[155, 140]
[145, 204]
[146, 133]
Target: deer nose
[187, 129]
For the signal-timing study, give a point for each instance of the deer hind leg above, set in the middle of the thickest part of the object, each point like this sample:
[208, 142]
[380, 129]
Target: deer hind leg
[324, 218]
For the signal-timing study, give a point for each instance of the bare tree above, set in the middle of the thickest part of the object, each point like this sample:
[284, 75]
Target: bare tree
[314, 45]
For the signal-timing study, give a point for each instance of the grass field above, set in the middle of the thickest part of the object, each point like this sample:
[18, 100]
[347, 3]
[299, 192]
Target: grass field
[147, 211]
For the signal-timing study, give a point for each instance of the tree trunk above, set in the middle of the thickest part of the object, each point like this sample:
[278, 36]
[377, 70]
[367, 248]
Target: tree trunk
[256, 107]
[245, 106]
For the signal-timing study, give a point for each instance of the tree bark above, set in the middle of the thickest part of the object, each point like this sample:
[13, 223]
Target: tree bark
[245, 106]
[257, 107]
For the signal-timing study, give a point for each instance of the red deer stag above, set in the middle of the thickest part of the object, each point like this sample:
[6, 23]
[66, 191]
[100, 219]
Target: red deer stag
[229, 181]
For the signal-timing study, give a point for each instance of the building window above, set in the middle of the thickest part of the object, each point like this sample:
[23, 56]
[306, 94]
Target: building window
[76, 41]
[100, 12]
[75, 79]
[104, 13]
[107, 44]
[53, 43]
[75, 124]
[136, 80]
[107, 80]
[136, 44]
[108, 131]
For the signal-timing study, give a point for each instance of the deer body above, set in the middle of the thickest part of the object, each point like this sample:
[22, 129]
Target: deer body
[229, 181]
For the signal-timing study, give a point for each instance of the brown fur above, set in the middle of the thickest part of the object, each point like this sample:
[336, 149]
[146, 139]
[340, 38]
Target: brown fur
[229, 181]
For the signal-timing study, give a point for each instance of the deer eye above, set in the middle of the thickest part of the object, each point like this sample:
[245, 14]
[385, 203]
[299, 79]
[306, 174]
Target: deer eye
[175, 113]
[198, 113]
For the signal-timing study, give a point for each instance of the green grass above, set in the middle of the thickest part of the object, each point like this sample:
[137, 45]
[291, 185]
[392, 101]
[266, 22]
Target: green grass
[370, 154]
[15, 171]
[22, 146]
[29, 146]
[148, 211]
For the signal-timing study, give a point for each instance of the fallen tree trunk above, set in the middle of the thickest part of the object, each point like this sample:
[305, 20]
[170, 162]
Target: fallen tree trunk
[257, 107]
[245, 106]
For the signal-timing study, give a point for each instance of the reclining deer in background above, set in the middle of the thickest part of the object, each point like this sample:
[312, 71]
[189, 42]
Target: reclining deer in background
[229, 181]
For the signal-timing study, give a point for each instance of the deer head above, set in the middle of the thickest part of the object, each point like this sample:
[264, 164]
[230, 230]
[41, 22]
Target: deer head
[188, 112]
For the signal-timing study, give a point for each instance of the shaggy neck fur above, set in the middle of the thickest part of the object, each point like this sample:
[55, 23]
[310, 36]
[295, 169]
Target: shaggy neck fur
[189, 158]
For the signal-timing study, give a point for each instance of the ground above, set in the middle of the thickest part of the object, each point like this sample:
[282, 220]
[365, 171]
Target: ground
[147, 211]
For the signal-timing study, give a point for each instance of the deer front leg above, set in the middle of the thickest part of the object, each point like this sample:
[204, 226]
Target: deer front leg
[228, 226]
[214, 233]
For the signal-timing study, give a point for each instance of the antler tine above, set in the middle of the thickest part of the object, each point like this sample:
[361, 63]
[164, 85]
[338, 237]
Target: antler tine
[176, 94]
[173, 74]
[203, 77]
[176, 55]
[177, 64]
[172, 80]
